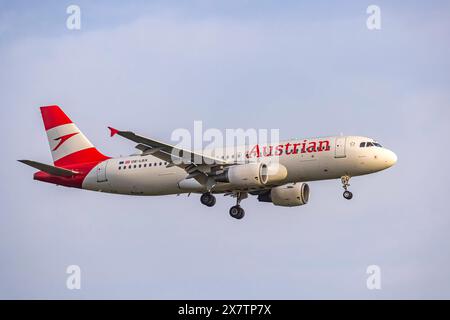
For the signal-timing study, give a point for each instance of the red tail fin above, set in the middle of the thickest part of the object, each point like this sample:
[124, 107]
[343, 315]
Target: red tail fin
[67, 143]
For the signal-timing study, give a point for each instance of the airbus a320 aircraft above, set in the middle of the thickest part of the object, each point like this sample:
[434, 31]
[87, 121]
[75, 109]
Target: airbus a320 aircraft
[236, 172]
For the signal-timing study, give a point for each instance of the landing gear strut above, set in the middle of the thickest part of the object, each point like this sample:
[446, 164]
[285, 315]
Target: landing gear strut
[208, 199]
[236, 211]
[347, 194]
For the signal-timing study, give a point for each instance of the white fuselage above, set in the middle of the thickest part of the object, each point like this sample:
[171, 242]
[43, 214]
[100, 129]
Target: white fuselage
[304, 159]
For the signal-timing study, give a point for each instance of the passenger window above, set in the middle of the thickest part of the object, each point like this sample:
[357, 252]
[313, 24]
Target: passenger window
[120, 168]
[160, 163]
[129, 167]
[140, 166]
[362, 145]
[145, 165]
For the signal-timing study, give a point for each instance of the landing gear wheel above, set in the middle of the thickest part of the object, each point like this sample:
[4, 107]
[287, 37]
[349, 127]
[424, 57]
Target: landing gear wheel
[345, 184]
[208, 199]
[348, 195]
[237, 212]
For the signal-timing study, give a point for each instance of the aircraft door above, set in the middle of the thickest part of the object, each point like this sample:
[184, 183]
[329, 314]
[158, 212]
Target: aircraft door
[101, 171]
[339, 151]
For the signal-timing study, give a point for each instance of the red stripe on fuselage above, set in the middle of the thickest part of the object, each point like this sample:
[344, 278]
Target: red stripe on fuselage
[82, 161]
[75, 181]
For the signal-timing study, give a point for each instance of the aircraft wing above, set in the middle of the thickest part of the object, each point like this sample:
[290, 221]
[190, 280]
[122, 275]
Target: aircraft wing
[192, 162]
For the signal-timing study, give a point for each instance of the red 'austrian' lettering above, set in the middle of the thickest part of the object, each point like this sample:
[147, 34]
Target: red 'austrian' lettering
[288, 148]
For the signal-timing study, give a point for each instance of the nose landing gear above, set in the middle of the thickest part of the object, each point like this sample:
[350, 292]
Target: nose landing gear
[348, 195]
[345, 184]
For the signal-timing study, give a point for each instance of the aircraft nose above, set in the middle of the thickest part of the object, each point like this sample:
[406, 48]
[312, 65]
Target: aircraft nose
[390, 158]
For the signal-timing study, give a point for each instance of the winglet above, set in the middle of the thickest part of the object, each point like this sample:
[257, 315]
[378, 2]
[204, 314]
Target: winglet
[113, 131]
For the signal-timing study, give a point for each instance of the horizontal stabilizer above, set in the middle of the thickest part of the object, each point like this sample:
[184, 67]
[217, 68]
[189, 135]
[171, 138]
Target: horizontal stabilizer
[57, 171]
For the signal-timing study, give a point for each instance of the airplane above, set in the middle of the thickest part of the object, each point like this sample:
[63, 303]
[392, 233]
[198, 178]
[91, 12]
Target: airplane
[274, 173]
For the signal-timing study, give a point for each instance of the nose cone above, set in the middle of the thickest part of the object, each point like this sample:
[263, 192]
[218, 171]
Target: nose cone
[390, 158]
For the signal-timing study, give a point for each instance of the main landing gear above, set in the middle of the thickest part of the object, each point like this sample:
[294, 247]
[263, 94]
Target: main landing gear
[347, 194]
[208, 199]
[236, 211]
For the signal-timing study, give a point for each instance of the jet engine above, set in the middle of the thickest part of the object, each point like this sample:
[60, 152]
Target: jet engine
[276, 173]
[287, 195]
[249, 175]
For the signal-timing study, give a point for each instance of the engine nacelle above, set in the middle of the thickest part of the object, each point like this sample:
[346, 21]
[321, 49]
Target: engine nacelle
[287, 195]
[276, 173]
[245, 175]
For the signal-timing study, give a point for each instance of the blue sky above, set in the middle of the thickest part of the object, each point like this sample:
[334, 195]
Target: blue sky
[308, 69]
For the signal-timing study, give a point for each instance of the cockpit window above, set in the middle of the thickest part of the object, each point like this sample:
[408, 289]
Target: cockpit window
[377, 144]
[370, 144]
